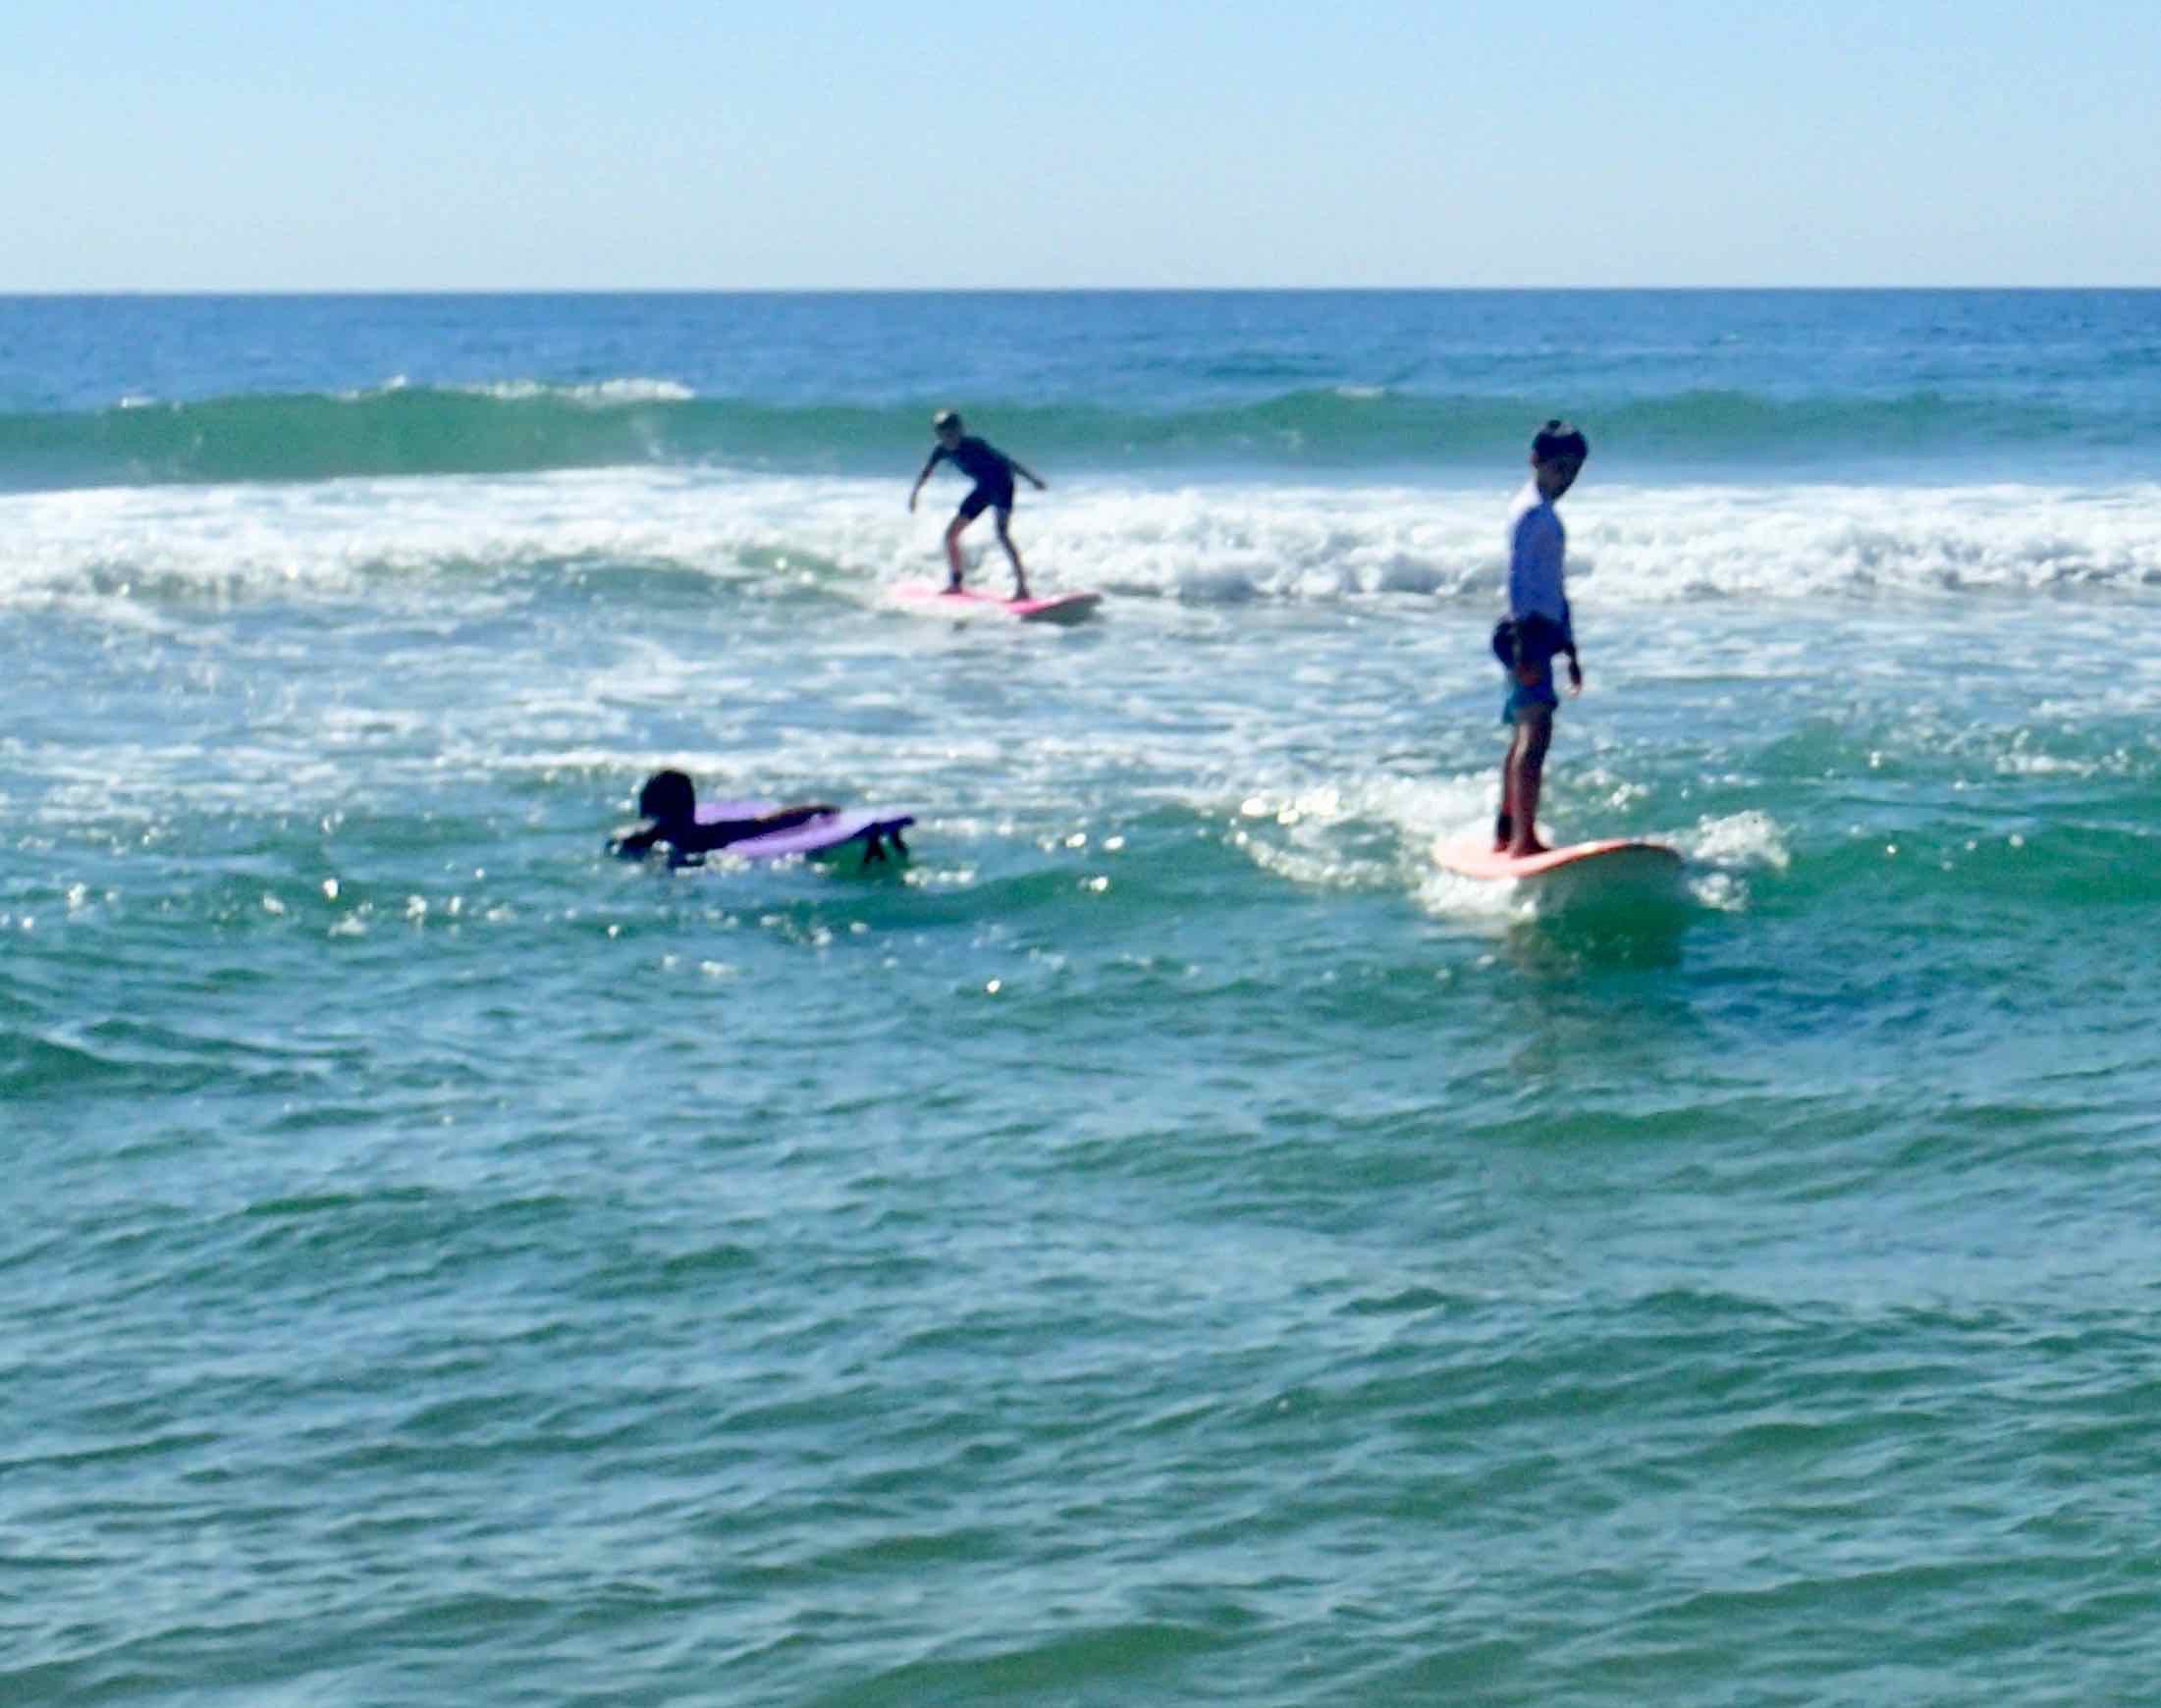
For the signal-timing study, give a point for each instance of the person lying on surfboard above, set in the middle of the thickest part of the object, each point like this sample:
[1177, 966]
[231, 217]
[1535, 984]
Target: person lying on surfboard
[993, 472]
[670, 803]
[1536, 631]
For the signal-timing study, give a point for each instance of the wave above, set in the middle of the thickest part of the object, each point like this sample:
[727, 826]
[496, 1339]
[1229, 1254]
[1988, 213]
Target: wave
[668, 531]
[520, 426]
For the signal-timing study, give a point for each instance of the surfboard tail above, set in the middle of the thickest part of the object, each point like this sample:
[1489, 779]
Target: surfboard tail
[1611, 858]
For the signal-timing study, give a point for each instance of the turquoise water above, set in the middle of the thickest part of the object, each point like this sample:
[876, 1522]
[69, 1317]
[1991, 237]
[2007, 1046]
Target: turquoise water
[1170, 1242]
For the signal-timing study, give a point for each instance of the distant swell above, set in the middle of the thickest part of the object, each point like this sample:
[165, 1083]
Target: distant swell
[398, 430]
[526, 427]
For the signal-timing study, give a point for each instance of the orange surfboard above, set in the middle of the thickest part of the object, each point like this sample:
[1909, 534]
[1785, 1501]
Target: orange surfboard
[1619, 856]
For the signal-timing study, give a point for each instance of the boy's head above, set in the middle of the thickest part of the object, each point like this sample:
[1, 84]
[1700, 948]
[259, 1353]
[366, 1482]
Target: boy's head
[667, 798]
[947, 425]
[1558, 453]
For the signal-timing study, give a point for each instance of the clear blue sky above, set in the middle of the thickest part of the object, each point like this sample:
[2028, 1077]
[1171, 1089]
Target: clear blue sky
[205, 144]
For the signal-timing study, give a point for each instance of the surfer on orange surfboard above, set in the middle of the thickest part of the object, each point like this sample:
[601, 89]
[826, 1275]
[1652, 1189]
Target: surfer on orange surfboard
[1536, 631]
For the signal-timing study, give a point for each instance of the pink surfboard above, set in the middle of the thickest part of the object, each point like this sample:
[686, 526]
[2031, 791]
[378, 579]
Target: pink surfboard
[1060, 608]
[1617, 857]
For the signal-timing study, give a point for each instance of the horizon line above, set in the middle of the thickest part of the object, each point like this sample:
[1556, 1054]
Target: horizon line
[11, 294]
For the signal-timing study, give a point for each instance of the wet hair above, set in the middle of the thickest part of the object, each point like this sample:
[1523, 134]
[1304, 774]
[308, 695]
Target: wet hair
[667, 795]
[1557, 439]
[943, 419]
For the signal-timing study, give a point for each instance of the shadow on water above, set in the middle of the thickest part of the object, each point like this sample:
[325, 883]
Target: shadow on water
[1578, 926]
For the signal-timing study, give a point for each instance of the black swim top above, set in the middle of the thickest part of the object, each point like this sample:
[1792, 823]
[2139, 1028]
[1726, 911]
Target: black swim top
[978, 461]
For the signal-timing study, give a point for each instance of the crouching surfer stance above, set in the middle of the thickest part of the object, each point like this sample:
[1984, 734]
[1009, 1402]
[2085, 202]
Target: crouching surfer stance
[671, 804]
[1534, 632]
[993, 472]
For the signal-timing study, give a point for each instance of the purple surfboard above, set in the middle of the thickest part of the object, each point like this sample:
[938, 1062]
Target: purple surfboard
[876, 832]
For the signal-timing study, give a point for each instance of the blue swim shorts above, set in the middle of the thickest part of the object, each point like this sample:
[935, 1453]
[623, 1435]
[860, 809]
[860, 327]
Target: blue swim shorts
[1525, 697]
[988, 496]
[1541, 639]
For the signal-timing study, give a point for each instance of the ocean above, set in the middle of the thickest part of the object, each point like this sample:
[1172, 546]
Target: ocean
[1167, 1241]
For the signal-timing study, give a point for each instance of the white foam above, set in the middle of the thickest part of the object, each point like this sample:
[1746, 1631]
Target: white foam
[1372, 831]
[599, 393]
[1626, 546]
[1738, 841]
[1214, 544]
[336, 537]
[1649, 544]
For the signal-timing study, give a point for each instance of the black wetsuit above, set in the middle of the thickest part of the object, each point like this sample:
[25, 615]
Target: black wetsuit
[990, 471]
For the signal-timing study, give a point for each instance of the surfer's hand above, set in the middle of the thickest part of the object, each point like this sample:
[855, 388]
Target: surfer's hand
[631, 843]
[1575, 676]
[1042, 484]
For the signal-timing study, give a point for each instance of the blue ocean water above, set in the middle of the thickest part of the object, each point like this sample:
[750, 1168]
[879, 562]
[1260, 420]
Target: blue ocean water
[1169, 1241]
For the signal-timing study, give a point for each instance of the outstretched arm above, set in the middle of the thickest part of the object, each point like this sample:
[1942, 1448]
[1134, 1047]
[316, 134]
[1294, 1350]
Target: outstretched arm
[720, 833]
[924, 476]
[787, 818]
[634, 844]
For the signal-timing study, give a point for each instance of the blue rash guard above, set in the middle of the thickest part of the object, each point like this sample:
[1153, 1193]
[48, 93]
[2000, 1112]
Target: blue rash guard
[989, 468]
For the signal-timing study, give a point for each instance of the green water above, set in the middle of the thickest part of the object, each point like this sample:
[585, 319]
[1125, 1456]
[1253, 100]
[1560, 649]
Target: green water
[1168, 1242]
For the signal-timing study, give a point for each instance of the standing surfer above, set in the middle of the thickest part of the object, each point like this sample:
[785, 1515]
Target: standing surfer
[1536, 629]
[993, 472]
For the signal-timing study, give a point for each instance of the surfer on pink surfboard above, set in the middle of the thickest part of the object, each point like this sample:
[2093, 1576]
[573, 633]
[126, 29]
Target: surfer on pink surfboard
[1537, 630]
[993, 472]
[668, 802]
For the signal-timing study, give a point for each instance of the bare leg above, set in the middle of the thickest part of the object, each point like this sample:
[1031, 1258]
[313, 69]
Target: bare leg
[1020, 576]
[1523, 776]
[1504, 822]
[953, 531]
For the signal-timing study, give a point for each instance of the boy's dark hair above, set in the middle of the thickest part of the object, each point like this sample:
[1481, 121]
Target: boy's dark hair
[667, 795]
[1556, 439]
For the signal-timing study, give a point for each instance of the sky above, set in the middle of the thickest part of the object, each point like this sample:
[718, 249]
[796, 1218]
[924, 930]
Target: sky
[708, 144]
